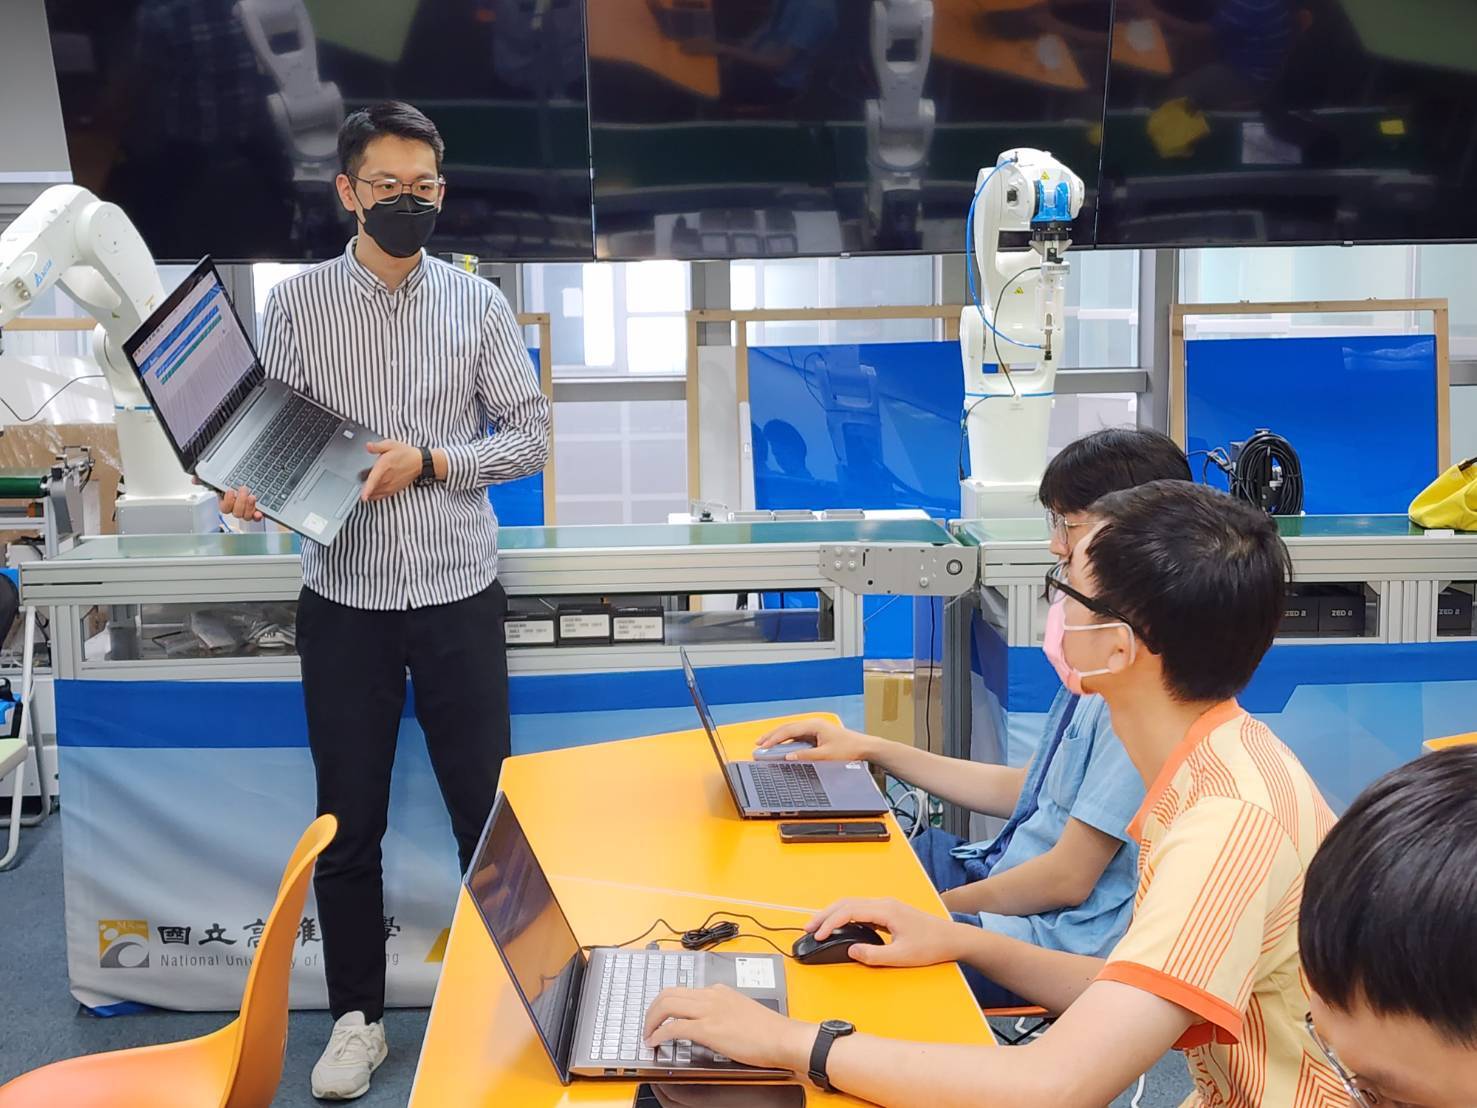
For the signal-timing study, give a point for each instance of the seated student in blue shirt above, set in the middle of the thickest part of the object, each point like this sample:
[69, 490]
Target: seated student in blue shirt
[1062, 872]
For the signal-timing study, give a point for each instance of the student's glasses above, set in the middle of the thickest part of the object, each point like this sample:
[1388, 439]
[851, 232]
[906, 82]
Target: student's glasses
[1360, 1095]
[1058, 527]
[1056, 584]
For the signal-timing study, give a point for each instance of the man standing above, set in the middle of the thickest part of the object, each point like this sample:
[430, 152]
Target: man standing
[431, 357]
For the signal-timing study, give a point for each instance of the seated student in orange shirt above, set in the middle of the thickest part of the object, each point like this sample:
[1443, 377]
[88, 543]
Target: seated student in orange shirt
[1388, 930]
[1173, 595]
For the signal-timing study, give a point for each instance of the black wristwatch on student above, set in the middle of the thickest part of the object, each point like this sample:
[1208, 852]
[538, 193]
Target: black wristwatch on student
[830, 1031]
[428, 468]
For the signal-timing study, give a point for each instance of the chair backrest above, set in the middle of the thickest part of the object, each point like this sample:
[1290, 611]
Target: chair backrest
[261, 1035]
[1431, 746]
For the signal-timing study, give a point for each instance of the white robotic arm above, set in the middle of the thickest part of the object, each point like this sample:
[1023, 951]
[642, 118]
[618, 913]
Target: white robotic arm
[306, 110]
[900, 121]
[93, 251]
[1014, 324]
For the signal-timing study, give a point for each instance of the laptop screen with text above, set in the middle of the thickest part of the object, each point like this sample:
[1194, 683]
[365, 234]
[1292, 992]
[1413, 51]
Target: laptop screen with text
[196, 362]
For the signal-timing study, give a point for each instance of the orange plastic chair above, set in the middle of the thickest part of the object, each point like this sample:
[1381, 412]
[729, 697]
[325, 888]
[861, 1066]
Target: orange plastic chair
[1432, 745]
[239, 1066]
[1014, 1037]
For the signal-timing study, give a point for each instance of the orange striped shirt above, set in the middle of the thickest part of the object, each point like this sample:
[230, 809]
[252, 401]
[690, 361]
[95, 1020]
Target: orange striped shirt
[1225, 836]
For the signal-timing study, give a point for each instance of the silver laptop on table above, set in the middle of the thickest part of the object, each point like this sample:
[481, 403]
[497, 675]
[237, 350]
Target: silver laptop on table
[230, 426]
[589, 1009]
[779, 790]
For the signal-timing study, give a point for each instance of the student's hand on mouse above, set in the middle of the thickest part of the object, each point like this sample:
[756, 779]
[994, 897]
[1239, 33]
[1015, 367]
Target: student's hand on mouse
[395, 469]
[918, 939]
[833, 743]
[241, 504]
[732, 1024]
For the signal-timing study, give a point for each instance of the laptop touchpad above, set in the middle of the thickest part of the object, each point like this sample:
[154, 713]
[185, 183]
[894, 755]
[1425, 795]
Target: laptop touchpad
[329, 491]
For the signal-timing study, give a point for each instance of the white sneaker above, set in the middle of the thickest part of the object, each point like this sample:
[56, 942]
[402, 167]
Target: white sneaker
[355, 1050]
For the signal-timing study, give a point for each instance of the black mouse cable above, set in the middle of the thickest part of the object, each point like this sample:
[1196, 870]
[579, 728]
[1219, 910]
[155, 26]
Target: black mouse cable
[709, 934]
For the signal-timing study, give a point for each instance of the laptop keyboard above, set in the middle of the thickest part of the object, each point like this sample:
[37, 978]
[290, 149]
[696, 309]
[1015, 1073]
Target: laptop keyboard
[788, 785]
[628, 984]
[283, 452]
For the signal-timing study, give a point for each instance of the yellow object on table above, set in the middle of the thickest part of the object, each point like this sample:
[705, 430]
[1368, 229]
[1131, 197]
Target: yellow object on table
[629, 831]
[1450, 500]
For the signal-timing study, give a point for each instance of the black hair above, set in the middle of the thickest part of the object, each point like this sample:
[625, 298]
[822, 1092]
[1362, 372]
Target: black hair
[1389, 914]
[1200, 577]
[392, 117]
[1106, 461]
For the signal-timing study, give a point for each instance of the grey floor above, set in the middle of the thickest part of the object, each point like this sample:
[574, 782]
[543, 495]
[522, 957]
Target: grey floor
[40, 1022]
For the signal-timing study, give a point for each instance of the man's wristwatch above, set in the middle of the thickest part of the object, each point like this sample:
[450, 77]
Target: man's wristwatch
[428, 468]
[830, 1031]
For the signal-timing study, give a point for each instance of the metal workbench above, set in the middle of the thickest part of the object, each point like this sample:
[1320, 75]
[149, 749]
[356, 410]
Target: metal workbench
[706, 563]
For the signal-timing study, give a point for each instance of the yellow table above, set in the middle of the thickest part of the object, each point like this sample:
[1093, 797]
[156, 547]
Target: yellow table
[629, 831]
[627, 31]
[960, 36]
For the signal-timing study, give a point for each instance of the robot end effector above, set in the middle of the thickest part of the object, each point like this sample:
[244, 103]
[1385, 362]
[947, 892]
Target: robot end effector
[1020, 228]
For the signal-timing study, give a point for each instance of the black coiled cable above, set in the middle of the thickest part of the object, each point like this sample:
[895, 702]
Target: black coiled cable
[1269, 474]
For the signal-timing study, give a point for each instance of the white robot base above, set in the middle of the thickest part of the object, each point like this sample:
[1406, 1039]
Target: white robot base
[197, 513]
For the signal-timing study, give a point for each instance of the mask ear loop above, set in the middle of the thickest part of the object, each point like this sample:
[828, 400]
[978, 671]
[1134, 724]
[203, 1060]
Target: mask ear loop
[1133, 641]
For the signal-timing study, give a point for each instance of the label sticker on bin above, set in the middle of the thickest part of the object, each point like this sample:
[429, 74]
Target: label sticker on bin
[585, 627]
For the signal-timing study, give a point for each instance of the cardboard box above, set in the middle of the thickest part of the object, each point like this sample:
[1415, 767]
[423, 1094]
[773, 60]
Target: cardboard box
[888, 703]
[1300, 616]
[1454, 612]
[894, 695]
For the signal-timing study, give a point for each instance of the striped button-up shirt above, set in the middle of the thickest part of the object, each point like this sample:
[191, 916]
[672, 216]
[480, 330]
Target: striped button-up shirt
[437, 362]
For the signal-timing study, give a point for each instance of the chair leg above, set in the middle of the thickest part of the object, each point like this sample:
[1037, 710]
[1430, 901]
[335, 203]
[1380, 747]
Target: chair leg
[1021, 1031]
[15, 817]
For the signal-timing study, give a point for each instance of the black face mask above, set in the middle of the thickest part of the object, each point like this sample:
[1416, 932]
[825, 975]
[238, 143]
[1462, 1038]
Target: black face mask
[402, 226]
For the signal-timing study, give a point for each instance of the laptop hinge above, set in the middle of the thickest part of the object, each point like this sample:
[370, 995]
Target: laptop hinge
[237, 416]
[740, 786]
[565, 1046]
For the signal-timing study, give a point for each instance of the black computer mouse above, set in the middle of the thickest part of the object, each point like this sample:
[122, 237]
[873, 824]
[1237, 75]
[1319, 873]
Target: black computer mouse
[834, 947]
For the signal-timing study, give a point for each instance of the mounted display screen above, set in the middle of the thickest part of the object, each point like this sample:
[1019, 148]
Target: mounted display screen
[213, 124]
[1292, 121]
[774, 128]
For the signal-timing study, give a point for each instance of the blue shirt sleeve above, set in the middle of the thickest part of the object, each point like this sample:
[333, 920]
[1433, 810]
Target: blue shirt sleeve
[1112, 789]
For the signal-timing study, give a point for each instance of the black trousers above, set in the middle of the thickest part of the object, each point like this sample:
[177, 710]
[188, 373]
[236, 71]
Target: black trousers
[354, 663]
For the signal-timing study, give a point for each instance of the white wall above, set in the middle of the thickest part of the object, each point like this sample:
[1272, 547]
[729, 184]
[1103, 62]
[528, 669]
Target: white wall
[1463, 423]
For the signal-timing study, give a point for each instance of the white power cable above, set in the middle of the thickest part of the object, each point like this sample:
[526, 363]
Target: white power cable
[920, 802]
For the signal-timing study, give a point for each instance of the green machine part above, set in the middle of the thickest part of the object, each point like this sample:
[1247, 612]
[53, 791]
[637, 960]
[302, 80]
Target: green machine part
[23, 484]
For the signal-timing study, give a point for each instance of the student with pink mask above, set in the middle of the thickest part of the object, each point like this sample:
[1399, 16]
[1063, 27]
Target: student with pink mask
[1061, 873]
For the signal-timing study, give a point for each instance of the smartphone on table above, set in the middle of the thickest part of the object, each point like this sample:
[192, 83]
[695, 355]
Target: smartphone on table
[820, 831]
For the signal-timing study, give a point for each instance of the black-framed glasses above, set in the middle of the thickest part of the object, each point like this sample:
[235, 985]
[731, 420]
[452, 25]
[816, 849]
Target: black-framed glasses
[1056, 582]
[387, 190]
[1359, 1095]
